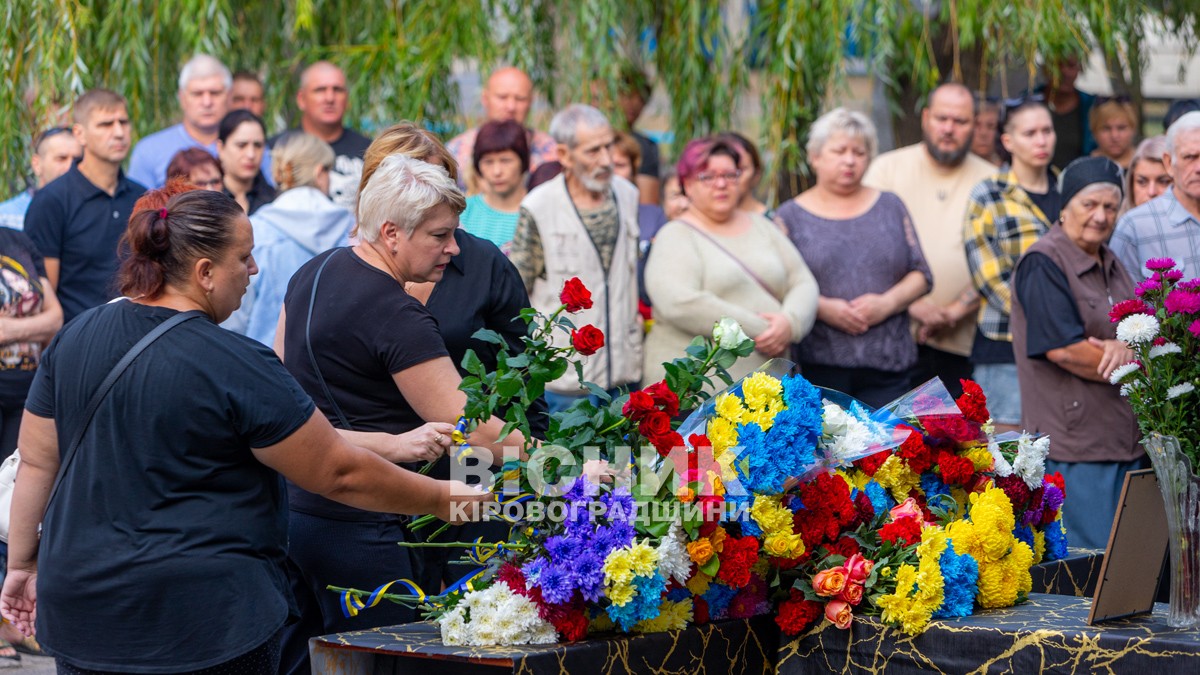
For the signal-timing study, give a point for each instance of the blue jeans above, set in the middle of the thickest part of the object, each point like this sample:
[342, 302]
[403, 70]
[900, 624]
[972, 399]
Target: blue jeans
[999, 384]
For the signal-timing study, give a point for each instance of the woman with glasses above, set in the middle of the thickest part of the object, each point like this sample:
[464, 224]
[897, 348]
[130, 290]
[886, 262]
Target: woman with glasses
[197, 167]
[718, 261]
[863, 250]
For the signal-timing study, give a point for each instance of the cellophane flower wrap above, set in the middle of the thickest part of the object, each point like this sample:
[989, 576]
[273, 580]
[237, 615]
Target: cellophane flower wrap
[771, 495]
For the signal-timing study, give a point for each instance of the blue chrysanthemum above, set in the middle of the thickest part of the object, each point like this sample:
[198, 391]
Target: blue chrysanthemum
[961, 575]
[643, 606]
[1056, 541]
[881, 500]
[718, 596]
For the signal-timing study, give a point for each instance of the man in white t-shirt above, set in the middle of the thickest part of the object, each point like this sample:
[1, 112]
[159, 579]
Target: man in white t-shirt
[933, 178]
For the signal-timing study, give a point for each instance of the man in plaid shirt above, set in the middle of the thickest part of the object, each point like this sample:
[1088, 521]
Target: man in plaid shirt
[1167, 226]
[1006, 214]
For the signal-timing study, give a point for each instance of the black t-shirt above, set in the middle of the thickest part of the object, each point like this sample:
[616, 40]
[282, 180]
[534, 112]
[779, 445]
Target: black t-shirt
[165, 545]
[1045, 294]
[649, 165]
[1049, 202]
[21, 295]
[78, 224]
[259, 195]
[364, 329]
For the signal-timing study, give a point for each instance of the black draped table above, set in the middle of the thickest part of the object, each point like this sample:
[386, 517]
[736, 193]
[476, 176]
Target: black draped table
[1047, 634]
[755, 645]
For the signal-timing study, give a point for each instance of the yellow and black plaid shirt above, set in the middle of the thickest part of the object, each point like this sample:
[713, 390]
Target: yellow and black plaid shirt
[1002, 222]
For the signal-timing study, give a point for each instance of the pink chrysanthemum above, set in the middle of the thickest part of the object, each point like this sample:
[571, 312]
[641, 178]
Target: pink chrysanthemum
[1158, 264]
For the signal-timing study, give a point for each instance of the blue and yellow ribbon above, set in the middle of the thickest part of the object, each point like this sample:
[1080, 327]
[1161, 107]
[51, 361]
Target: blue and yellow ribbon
[352, 605]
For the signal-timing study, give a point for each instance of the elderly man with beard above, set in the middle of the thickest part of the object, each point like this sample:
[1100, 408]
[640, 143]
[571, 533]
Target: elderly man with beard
[584, 223]
[934, 178]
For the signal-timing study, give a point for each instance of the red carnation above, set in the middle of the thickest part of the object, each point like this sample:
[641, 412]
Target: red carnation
[973, 402]
[915, 453]
[798, 613]
[845, 546]
[638, 406]
[587, 340]
[663, 397]
[737, 557]
[699, 610]
[871, 463]
[955, 470]
[575, 295]
[904, 532]
[1016, 489]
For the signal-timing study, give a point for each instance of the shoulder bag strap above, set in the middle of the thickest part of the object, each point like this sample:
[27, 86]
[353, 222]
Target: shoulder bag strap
[107, 385]
[749, 272]
[312, 357]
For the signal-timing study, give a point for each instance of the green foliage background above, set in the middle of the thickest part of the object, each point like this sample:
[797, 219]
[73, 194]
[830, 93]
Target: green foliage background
[399, 54]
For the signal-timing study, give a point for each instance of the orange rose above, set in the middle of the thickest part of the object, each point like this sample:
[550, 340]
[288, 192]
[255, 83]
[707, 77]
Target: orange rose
[701, 551]
[830, 582]
[852, 593]
[718, 539]
[839, 613]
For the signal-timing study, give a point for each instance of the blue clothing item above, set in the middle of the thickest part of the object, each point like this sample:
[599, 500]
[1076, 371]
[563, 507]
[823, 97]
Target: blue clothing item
[78, 224]
[12, 212]
[999, 382]
[152, 154]
[1160, 228]
[288, 232]
[488, 223]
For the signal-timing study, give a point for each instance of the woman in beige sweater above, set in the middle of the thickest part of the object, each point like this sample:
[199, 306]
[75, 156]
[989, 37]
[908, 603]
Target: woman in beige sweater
[717, 261]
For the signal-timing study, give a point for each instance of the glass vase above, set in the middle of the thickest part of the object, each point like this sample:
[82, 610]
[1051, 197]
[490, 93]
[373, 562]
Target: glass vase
[1180, 487]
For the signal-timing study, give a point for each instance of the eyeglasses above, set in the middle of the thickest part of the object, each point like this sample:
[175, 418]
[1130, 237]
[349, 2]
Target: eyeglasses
[206, 184]
[1120, 98]
[709, 178]
[1011, 105]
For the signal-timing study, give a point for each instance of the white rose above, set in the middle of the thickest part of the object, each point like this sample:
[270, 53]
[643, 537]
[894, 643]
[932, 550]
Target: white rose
[728, 334]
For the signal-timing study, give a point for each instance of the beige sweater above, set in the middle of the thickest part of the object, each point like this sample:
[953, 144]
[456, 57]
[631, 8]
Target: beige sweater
[692, 284]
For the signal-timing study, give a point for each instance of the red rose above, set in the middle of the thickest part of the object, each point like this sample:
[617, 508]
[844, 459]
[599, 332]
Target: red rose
[638, 406]
[663, 397]
[667, 442]
[575, 295]
[654, 424]
[587, 340]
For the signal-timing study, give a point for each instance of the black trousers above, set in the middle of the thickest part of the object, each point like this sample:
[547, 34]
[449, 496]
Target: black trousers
[950, 367]
[873, 387]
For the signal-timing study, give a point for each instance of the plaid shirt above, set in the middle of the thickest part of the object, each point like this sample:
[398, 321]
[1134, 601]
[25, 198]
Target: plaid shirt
[1160, 228]
[1002, 222]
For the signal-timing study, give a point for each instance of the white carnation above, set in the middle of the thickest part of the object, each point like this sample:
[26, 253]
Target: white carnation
[1180, 389]
[673, 559]
[1000, 464]
[1121, 371]
[848, 435]
[1164, 349]
[1137, 329]
[1030, 463]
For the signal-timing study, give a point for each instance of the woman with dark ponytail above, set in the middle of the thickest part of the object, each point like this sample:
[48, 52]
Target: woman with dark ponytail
[169, 519]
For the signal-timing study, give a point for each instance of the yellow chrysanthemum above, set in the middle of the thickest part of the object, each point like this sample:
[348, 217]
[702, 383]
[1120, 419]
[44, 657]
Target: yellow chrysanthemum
[722, 434]
[759, 389]
[771, 515]
[601, 623]
[980, 457]
[621, 594]
[671, 616]
[897, 478]
[855, 478]
[729, 407]
[765, 419]
[643, 559]
[698, 584]
[920, 591]
[1039, 546]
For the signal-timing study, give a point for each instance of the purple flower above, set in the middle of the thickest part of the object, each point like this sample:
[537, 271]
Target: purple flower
[1182, 302]
[1052, 497]
[1195, 328]
[1155, 264]
[556, 585]
[1147, 286]
[1189, 285]
[562, 548]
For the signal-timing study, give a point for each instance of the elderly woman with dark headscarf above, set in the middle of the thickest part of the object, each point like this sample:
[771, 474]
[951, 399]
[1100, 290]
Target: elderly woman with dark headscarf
[1066, 348]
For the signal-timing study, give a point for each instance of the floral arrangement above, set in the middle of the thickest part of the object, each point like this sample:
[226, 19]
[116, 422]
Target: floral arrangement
[771, 495]
[1162, 327]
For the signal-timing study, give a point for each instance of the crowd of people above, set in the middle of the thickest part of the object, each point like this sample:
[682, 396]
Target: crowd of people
[336, 282]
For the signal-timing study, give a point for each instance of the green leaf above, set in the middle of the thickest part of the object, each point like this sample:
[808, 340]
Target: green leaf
[519, 361]
[712, 566]
[472, 364]
[491, 336]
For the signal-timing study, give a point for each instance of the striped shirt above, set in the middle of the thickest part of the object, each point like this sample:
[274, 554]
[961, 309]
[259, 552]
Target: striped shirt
[1002, 222]
[1160, 228]
[485, 222]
